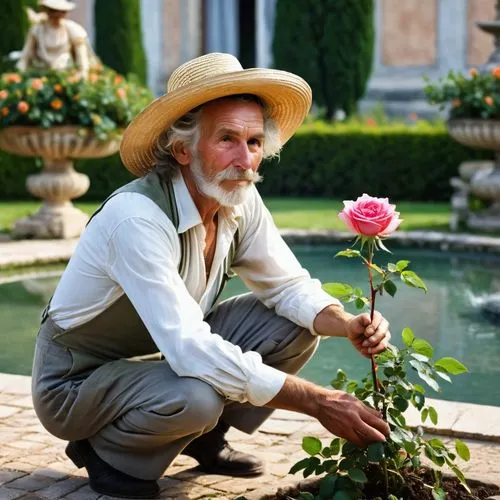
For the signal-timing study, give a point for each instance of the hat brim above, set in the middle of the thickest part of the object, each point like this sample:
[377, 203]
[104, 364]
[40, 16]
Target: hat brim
[60, 7]
[287, 96]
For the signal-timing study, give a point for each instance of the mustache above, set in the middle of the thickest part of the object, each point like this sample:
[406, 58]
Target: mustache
[236, 174]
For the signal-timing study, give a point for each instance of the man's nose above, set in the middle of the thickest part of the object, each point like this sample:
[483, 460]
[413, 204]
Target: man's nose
[244, 158]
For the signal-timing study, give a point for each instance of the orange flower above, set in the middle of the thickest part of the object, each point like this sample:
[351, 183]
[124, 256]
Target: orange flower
[118, 79]
[37, 84]
[4, 94]
[488, 100]
[58, 88]
[74, 78]
[473, 72]
[456, 103]
[121, 93]
[56, 104]
[413, 116]
[371, 122]
[93, 78]
[5, 111]
[23, 107]
[76, 97]
[12, 78]
[496, 72]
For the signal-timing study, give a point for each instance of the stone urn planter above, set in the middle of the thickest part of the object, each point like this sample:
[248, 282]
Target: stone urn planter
[58, 182]
[485, 182]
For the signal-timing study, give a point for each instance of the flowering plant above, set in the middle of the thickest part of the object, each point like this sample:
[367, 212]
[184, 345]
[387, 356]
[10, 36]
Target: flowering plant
[104, 103]
[382, 469]
[476, 95]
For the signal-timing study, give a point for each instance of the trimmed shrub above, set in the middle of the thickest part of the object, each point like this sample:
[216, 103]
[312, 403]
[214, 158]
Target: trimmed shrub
[344, 161]
[330, 44]
[14, 22]
[118, 36]
[340, 161]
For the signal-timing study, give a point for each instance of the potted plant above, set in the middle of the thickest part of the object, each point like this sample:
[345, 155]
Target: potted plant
[473, 104]
[58, 116]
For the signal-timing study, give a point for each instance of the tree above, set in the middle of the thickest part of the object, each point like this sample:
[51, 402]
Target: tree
[330, 44]
[118, 36]
[14, 22]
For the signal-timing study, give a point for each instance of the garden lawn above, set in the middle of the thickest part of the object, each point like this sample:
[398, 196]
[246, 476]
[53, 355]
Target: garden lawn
[296, 213]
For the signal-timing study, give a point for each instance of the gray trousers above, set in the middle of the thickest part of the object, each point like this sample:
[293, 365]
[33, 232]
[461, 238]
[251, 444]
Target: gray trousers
[138, 414]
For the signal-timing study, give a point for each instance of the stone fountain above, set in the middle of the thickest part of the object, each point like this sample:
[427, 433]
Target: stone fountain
[482, 179]
[58, 182]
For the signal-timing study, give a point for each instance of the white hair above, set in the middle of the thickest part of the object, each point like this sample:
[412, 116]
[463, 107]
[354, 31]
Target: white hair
[187, 131]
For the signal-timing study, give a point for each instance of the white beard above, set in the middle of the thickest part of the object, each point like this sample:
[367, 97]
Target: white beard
[211, 187]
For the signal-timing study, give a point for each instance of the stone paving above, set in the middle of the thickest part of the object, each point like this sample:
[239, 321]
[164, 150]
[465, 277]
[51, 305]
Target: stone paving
[33, 464]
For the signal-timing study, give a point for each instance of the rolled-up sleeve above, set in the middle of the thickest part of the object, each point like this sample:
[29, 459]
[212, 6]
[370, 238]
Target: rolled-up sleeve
[143, 259]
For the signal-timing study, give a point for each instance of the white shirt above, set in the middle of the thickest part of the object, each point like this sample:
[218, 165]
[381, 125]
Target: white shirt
[132, 247]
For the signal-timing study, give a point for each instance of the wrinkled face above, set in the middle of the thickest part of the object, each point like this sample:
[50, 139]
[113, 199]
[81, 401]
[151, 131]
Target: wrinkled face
[55, 16]
[230, 150]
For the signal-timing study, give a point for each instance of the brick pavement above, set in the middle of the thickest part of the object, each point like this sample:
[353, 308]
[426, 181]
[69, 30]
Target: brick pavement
[33, 464]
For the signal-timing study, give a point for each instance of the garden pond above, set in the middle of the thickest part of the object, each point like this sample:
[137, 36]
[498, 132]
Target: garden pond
[449, 316]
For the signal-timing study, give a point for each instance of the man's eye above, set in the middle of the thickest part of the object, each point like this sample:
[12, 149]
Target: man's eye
[225, 138]
[254, 142]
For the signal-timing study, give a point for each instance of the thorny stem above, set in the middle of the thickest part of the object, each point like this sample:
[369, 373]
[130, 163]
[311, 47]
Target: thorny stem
[376, 383]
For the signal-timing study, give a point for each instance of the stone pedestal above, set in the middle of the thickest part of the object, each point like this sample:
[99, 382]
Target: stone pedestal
[58, 182]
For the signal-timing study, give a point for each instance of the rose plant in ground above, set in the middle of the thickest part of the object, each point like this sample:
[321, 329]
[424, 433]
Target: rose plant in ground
[352, 472]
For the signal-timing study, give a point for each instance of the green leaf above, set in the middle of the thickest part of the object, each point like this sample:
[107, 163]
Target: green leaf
[420, 357]
[326, 452]
[412, 279]
[342, 495]
[305, 495]
[451, 365]
[351, 386]
[460, 476]
[423, 347]
[360, 302]
[376, 268]
[357, 475]
[419, 388]
[400, 403]
[301, 464]
[392, 267]
[335, 446]
[443, 375]
[311, 445]
[408, 336]
[327, 486]
[424, 414]
[438, 494]
[341, 291]
[418, 400]
[462, 450]
[350, 253]
[433, 415]
[375, 452]
[390, 287]
[429, 380]
[401, 265]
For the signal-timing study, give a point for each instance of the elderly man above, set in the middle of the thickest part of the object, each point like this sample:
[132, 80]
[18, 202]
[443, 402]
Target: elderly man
[145, 279]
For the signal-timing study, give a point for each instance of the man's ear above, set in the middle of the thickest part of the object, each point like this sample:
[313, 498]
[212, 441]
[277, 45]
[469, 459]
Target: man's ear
[182, 153]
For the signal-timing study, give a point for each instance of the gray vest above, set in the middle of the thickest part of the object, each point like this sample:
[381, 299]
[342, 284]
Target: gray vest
[118, 332]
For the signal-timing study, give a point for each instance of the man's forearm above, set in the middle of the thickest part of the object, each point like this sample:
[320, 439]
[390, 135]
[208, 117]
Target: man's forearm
[332, 321]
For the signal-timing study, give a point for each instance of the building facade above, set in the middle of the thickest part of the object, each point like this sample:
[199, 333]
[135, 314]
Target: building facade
[413, 38]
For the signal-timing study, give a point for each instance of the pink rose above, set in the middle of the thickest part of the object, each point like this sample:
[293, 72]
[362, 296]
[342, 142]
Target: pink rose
[370, 216]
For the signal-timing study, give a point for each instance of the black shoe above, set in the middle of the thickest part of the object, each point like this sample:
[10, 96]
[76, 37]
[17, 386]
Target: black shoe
[106, 479]
[216, 456]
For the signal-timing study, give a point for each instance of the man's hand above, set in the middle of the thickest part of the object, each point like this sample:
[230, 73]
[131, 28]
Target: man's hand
[368, 337]
[339, 412]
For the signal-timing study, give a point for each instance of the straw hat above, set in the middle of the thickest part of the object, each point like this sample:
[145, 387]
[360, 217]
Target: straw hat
[287, 96]
[61, 5]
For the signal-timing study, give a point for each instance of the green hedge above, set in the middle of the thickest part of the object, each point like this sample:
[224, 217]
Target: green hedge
[340, 161]
[346, 160]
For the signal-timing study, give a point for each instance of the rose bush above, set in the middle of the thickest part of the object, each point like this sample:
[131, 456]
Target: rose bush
[104, 104]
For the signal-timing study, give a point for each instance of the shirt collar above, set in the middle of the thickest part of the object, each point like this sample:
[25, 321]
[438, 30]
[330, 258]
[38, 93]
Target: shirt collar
[188, 213]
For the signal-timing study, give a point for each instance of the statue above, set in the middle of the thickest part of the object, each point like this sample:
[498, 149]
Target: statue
[54, 42]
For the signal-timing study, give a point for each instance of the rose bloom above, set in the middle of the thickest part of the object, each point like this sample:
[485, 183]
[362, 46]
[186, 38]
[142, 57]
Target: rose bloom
[58, 88]
[118, 79]
[12, 78]
[56, 104]
[23, 107]
[4, 94]
[93, 78]
[5, 111]
[488, 100]
[473, 72]
[369, 216]
[371, 122]
[121, 93]
[456, 103]
[37, 84]
[74, 78]
[496, 72]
